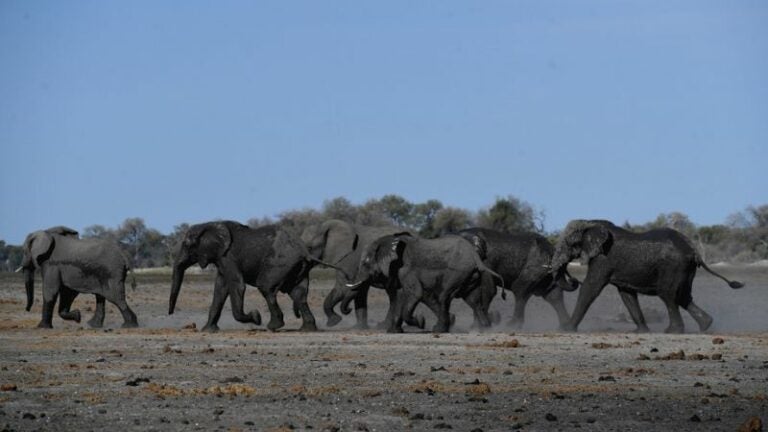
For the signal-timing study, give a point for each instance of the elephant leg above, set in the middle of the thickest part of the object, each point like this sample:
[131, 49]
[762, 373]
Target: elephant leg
[633, 306]
[703, 319]
[220, 294]
[97, 321]
[480, 318]
[333, 298]
[117, 297]
[275, 313]
[65, 302]
[361, 307]
[407, 300]
[235, 286]
[675, 320]
[518, 316]
[597, 278]
[299, 297]
[555, 299]
[51, 286]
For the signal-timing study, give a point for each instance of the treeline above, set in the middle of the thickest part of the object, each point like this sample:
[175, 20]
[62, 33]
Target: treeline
[742, 238]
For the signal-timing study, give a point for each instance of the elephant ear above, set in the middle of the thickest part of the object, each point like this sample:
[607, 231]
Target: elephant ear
[595, 241]
[338, 238]
[39, 246]
[213, 242]
[389, 255]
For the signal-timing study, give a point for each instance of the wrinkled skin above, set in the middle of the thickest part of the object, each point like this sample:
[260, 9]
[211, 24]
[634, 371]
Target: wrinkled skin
[659, 262]
[269, 258]
[341, 243]
[523, 260]
[70, 265]
[429, 271]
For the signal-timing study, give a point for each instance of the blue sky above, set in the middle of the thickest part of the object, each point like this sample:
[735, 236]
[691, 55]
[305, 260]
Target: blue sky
[190, 111]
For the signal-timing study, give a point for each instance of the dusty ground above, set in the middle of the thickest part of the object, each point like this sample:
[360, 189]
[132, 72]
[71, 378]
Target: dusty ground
[165, 377]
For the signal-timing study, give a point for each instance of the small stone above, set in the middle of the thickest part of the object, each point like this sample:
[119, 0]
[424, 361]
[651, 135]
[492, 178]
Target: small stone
[694, 418]
[718, 341]
[753, 424]
[717, 356]
[249, 423]
[102, 411]
[654, 350]
[443, 426]
[417, 416]
[190, 326]
[8, 387]
[28, 416]
[591, 420]
[607, 378]
[550, 417]
[218, 412]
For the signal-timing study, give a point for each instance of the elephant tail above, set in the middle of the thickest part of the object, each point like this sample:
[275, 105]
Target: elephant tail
[314, 260]
[733, 284]
[133, 279]
[496, 277]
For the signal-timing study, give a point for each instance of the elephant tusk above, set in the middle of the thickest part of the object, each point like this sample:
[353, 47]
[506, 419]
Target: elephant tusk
[353, 285]
[18, 269]
[547, 266]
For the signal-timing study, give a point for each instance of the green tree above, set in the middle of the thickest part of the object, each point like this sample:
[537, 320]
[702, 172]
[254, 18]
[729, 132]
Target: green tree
[450, 220]
[511, 214]
[339, 208]
[423, 219]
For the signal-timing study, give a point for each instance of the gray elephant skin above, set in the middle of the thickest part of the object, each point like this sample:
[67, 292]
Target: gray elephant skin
[660, 262]
[70, 265]
[523, 260]
[341, 244]
[269, 258]
[432, 271]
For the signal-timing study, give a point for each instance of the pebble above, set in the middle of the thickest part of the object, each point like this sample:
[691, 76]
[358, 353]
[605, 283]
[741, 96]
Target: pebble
[550, 417]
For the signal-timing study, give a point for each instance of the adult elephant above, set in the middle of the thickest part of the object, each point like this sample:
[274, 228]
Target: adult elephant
[341, 243]
[658, 262]
[70, 265]
[431, 271]
[523, 260]
[269, 258]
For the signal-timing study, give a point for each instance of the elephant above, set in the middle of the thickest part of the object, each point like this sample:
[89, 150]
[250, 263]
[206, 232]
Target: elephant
[432, 271]
[522, 259]
[660, 262]
[341, 243]
[269, 258]
[70, 265]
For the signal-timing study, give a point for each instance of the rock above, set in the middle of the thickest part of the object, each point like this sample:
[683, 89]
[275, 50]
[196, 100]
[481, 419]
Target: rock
[28, 416]
[717, 356]
[718, 341]
[607, 378]
[591, 420]
[9, 387]
[231, 380]
[218, 412]
[102, 411]
[437, 369]
[190, 326]
[443, 426]
[417, 416]
[694, 418]
[135, 382]
[550, 417]
[753, 424]
[654, 350]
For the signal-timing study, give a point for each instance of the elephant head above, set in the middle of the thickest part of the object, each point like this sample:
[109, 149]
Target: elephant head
[580, 239]
[202, 244]
[381, 259]
[37, 248]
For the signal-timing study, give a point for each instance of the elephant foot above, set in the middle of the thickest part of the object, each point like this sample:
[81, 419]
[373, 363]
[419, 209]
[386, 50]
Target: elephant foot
[417, 321]
[361, 326]
[705, 324]
[210, 328]
[308, 327]
[568, 328]
[517, 325]
[275, 324]
[130, 324]
[44, 325]
[642, 329]
[495, 317]
[383, 325]
[452, 321]
[95, 323]
[333, 320]
[675, 330]
[395, 330]
[71, 315]
[438, 328]
[255, 317]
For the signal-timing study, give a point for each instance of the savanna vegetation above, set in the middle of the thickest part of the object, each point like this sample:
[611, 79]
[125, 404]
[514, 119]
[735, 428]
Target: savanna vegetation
[743, 237]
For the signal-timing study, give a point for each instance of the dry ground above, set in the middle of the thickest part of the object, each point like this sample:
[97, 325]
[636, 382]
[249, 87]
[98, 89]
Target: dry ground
[165, 377]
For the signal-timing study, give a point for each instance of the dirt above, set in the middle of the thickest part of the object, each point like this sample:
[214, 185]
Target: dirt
[168, 376]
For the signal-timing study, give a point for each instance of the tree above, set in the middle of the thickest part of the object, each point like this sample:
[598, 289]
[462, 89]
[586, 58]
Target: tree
[511, 214]
[98, 231]
[424, 217]
[256, 222]
[397, 209]
[174, 239]
[298, 220]
[450, 220]
[339, 208]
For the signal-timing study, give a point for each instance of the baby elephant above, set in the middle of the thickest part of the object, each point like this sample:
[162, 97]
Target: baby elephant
[70, 265]
[431, 271]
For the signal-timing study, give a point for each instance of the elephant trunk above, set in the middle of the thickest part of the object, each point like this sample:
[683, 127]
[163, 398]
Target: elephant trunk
[29, 284]
[345, 309]
[334, 297]
[560, 260]
[178, 278]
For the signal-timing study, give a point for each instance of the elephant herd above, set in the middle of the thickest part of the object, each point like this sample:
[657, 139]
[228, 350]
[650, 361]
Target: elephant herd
[471, 264]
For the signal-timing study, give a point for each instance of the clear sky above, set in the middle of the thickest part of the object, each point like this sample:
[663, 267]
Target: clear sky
[190, 111]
